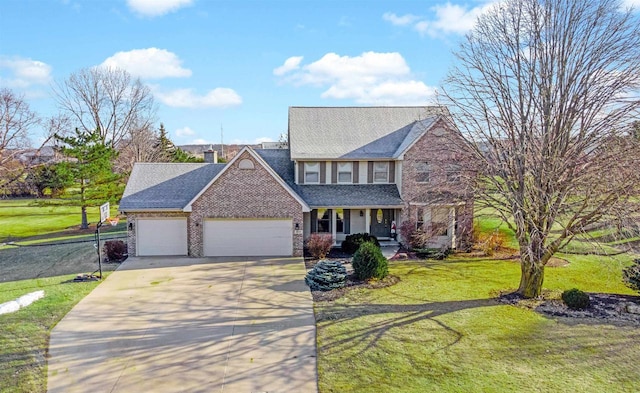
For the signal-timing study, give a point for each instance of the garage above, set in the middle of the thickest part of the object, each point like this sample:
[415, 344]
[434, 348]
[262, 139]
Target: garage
[158, 236]
[259, 237]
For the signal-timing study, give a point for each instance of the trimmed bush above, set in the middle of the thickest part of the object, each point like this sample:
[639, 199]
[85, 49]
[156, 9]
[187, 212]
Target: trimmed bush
[319, 245]
[631, 275]
[326, 275]
[115, 250]
[352, 242]
[368, 262]
[575, 299]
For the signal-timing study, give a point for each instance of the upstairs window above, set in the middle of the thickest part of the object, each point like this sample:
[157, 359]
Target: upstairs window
[381, 172]
[311, 172]
[345, 172]
[423, 172]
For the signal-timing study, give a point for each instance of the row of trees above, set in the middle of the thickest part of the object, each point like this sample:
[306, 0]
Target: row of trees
[105, 125]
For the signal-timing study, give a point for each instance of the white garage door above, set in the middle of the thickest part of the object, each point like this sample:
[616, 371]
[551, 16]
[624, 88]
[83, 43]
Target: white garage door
[248, 237]
[161, 236]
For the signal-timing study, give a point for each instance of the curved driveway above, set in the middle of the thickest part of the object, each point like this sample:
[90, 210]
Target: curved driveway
[190, 325]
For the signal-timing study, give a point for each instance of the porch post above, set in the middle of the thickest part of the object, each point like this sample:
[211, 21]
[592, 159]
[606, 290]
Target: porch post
[367, 220]
[334, 213]
[452, 226]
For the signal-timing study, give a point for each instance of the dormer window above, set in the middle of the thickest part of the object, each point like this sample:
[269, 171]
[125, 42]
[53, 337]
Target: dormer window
[312, 172]
[381, 172]
[345, 172]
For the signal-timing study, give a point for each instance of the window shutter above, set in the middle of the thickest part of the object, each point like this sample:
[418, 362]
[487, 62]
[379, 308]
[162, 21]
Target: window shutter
[314, 221]
[370, 172]
[347, 221]
[300, 172]
[323, 172]
[334, 172]
[356, 172]
[392, 171]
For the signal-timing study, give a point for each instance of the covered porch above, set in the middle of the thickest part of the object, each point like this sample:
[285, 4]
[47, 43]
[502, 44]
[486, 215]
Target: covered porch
[342, 221]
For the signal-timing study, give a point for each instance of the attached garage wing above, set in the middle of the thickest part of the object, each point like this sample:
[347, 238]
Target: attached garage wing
[260, 237]
[157, 236]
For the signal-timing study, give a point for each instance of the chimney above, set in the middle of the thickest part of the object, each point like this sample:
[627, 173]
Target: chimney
[211, 156]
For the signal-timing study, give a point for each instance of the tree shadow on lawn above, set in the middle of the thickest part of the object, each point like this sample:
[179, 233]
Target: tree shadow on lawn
[368, 335]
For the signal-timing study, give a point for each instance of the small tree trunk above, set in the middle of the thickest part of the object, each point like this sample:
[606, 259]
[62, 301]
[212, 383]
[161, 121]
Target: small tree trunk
[85, 223]
[531, 278]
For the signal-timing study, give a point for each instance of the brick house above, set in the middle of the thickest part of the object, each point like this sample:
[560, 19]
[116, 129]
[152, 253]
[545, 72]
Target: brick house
[347, 170]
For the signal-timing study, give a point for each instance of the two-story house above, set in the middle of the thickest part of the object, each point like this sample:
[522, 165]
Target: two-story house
[347, 170]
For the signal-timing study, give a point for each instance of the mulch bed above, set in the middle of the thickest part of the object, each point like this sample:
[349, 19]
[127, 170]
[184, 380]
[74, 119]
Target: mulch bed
[352, 281]
[604, 307]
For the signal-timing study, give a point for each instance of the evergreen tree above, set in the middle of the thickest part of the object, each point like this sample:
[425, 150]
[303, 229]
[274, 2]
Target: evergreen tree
[90, 167]
[170, 152]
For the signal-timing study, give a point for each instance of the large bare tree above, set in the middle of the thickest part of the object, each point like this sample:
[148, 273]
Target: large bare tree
[545, 92]
[17, 120]
[107, 99]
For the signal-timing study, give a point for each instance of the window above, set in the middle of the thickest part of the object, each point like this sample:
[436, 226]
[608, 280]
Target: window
[422, 172]
[345, 172]
[324, 220]
[420, 219]
[339, 221]
[439, 221]
[312, 172]
[453, 173]
[380, 172]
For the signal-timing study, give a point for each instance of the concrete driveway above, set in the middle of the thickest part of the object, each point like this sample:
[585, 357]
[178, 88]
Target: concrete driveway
[190, 325]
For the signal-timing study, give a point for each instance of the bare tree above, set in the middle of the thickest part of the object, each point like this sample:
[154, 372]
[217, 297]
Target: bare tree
[545, 92]
[142, 145]
[16, 121]
[106, 99]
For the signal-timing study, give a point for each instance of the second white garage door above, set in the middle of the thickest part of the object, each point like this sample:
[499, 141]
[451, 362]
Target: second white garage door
[248, 237]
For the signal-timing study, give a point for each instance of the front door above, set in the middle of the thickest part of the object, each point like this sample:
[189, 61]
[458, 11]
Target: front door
[381, 222]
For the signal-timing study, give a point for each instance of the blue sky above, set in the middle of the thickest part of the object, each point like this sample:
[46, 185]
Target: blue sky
[237, 64]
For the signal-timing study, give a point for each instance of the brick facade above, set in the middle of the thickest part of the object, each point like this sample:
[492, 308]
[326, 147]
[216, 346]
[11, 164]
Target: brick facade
[244, 193]
[446, 185]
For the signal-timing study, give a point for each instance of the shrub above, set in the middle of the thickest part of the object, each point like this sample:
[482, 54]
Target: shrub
[115, 250]
[319, 245]
[326, 275]
[631, 275]
[433, 253]
[352, 242]
[575, 299]
[492, 242]
[368, 262]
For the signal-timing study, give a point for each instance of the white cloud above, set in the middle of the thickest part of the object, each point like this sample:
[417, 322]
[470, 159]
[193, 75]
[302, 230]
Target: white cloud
[199, 141]
[256, 141]
[150, 63]
[447, 19]
[24, 73]
[186, 98]
[371, 78]
[635, 4]
[396, 20]
[185, 131]
[292, 63]
[153, 8]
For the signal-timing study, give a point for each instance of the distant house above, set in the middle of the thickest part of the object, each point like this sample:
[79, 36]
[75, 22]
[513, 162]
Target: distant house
[347, 170]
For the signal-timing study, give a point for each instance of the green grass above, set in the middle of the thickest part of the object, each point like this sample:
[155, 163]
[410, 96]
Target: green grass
[20, 218]
[440, 330]
[24, 335]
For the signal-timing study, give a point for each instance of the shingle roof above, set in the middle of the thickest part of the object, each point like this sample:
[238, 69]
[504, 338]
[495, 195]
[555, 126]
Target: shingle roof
[356, 132]
[165, 186]
[347, 195]
[350, 195]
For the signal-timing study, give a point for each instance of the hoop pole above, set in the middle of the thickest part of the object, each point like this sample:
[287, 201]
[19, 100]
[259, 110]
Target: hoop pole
[99, 251]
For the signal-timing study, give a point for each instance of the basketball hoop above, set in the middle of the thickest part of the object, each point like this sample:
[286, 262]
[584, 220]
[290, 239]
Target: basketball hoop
[113, 220]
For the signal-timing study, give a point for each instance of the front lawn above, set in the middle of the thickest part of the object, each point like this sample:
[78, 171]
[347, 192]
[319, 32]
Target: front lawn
[24, 334]
[22, 218]
[441, 330]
